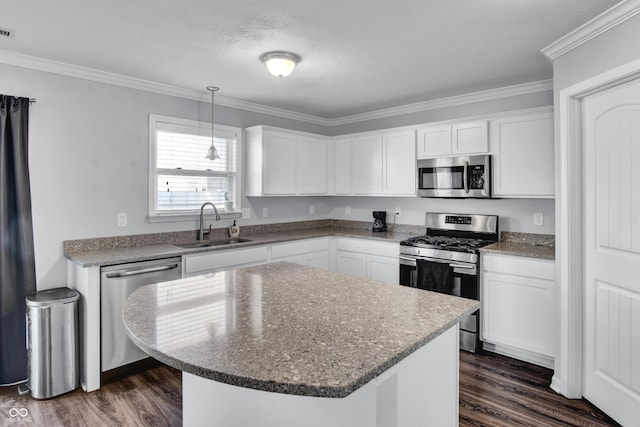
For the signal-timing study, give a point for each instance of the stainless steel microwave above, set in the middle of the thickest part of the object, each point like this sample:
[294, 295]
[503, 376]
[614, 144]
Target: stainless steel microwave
[455, 177]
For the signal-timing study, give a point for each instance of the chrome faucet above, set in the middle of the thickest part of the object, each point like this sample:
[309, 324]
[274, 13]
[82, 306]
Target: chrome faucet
[202, 232]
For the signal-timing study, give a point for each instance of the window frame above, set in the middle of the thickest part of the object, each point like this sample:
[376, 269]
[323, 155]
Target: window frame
[153, 215]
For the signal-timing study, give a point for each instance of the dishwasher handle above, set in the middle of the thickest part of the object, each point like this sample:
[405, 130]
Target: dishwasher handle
[137, 271]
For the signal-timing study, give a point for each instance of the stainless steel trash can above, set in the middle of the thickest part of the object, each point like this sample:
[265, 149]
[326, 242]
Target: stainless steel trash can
[52, 335]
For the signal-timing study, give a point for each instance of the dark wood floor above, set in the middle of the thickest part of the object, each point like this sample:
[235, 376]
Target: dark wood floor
[495, 391]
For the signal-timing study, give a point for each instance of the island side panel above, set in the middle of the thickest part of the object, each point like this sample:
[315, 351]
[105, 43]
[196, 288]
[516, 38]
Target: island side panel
[422, 389]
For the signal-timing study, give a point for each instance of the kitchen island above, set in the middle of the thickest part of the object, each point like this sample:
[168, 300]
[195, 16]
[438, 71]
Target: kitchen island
[283, 344]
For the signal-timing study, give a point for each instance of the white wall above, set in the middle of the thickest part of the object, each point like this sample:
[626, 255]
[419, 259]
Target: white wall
[89, 161]
[515, 215]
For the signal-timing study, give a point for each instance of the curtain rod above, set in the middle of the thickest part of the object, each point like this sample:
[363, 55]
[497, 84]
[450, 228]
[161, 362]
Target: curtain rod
[32, 100]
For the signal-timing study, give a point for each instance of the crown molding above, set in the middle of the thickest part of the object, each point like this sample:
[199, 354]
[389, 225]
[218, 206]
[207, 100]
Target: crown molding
[41, 64]
[602, 23]
[451, 101]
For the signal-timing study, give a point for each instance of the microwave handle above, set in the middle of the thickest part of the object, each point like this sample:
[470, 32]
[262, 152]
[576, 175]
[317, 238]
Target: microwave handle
[465, 177]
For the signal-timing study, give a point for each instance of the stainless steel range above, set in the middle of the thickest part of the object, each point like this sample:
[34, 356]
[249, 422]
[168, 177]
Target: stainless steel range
[446, 259]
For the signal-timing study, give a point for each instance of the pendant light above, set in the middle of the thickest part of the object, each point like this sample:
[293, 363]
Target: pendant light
[213, 152]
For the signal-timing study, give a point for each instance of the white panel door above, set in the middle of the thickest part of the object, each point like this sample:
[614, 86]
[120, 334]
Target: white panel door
[612, 252]
[399, 168]
[280, 160]
[366, 164]
[312, 166]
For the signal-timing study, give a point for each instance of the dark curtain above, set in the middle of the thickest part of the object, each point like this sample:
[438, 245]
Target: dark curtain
[17, 265]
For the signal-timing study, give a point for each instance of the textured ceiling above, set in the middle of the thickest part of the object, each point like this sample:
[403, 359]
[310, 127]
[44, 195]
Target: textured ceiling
[358, 55]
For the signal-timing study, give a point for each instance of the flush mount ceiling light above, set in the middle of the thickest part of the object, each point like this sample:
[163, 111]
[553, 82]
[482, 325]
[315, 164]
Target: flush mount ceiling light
[213, 152]
[280, 63]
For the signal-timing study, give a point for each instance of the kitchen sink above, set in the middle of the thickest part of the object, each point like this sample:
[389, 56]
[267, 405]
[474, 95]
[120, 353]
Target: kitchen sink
[205, 244]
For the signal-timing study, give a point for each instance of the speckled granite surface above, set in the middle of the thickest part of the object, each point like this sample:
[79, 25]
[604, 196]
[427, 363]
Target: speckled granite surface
[541, 246]
[287, 328]
[124, 249]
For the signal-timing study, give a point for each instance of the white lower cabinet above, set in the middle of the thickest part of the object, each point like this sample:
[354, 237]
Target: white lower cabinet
[518, 308]
[311, 252]
[214, 261]
[368, 258]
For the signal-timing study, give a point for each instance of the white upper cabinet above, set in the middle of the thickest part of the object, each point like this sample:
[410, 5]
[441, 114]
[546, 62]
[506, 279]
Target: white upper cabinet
[469, 138]
[342, 167]
[434, 141]
[453, 139]
[366, 164]
[523, 153]
[399, 165]
[313, 164]
[375, 164]
[280, 166]
[286, 163]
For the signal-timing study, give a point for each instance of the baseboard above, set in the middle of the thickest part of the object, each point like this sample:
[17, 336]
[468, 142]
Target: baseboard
[525, 356]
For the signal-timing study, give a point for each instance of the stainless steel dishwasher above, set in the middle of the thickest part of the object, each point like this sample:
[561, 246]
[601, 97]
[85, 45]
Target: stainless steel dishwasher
[117, 283]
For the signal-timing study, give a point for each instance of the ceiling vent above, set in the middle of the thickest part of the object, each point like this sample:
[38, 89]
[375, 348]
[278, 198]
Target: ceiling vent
[4, 32]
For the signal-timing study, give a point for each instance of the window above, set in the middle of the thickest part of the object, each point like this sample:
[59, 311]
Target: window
[181, 179]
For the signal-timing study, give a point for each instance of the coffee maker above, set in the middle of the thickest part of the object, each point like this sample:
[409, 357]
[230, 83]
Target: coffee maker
[379, 221]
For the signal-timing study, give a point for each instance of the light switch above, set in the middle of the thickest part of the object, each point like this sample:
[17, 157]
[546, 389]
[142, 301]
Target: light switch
[246, 213]
[538, 218]
[312, 210]
[348, 210]
[265, 212]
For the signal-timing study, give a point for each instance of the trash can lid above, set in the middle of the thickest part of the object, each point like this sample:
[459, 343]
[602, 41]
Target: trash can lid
[51, 297]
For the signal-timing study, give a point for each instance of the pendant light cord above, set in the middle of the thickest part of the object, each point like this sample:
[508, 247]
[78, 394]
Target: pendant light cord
[213, 90]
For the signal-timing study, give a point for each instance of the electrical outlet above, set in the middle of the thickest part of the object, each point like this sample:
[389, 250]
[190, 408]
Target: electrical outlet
[348, 210]
[312, 210]
[122, 219]
[538, 218]
[398, 212]
[265, 212]
[246, 213]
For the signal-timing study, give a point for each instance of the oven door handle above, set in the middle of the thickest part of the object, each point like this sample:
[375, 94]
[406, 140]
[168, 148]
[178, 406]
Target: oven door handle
[404, 260]
[467, 266]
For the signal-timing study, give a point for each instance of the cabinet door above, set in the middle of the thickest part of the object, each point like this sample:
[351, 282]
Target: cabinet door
[280, 159]
[384, 269]
[468, 138]
[434, 141]
[342, 167]
[523, 156]
[312, 166]
[351, 263]
[399, 168]
[366, 162]
[316, 259]
[517, 311]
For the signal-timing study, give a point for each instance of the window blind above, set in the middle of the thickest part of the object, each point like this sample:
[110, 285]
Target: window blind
[184, 178]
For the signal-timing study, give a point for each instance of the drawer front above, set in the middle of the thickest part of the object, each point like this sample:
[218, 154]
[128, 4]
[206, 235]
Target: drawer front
[222, 259]
[299, 247]
[521, 266]
[371, 247]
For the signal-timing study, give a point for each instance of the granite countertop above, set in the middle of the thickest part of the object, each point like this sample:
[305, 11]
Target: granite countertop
[540, 246]
[287, 328]
[87, 255]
